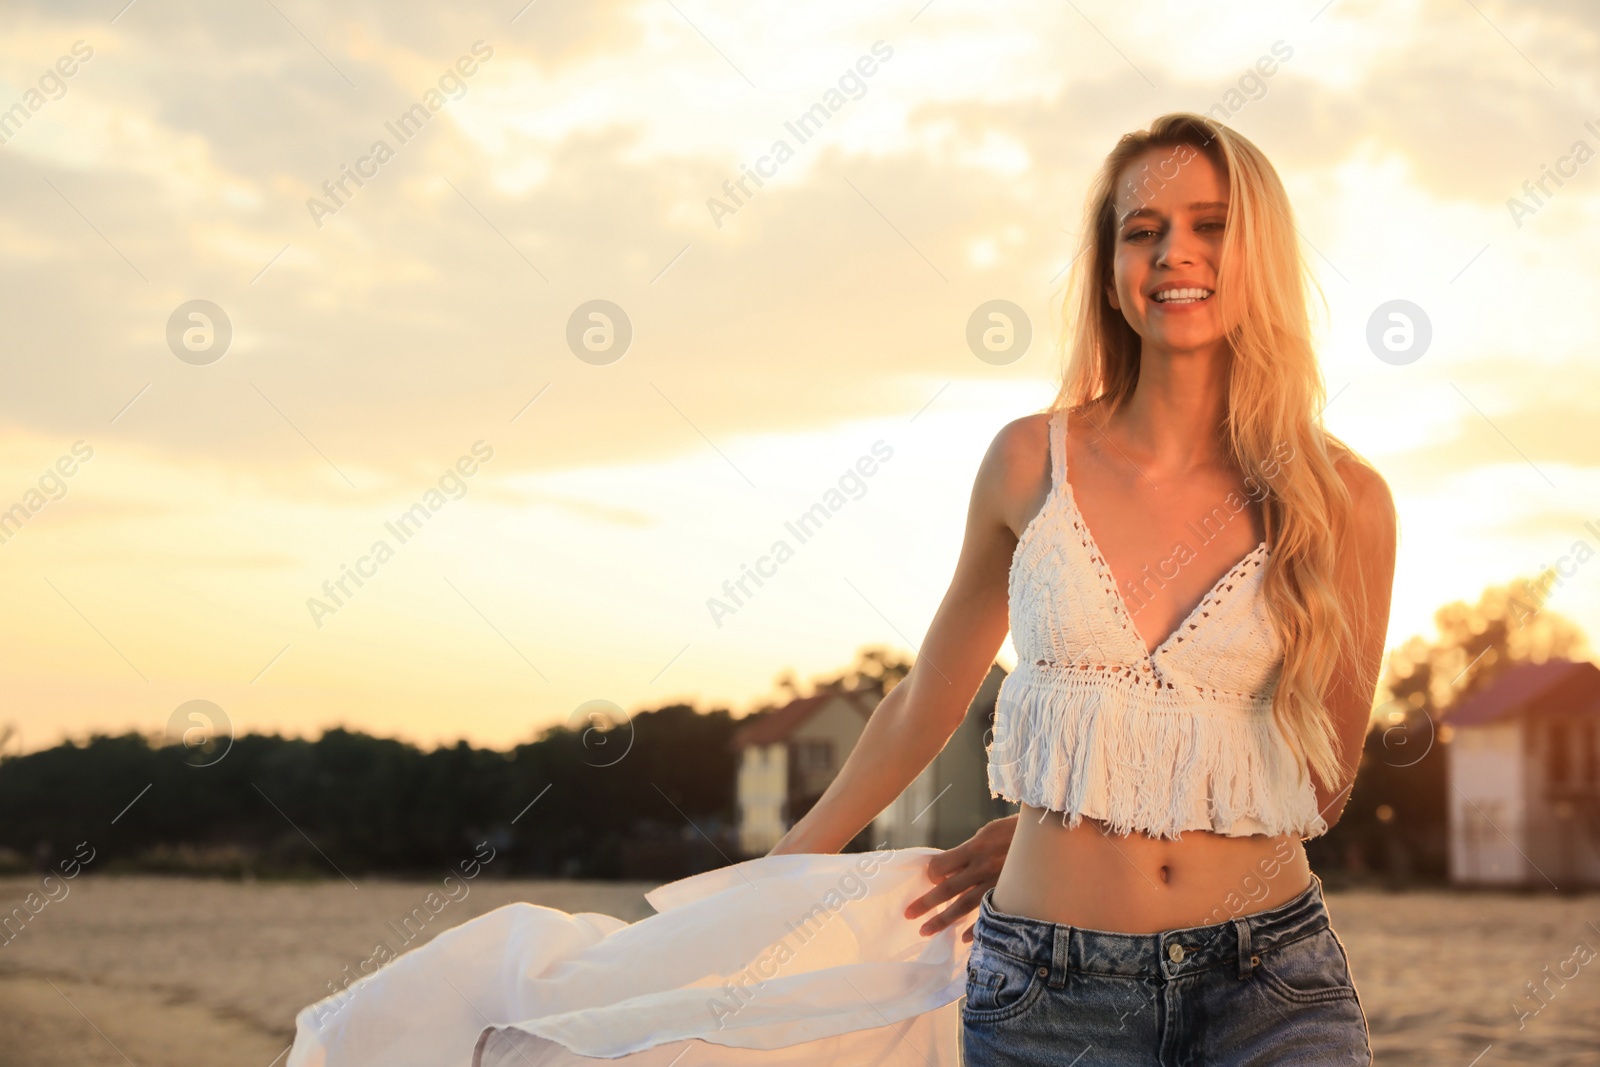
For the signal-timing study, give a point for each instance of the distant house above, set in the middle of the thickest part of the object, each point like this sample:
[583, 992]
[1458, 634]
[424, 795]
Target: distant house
[1524, 774]
[947, 802]
[789, 756]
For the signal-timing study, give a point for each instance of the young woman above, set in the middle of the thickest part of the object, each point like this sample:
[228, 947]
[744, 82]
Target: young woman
[1196, 576]
[1198, 585]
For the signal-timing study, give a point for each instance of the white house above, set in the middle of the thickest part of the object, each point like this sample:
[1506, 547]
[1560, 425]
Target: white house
[949, 800]
[1524, 778]
[789, 756]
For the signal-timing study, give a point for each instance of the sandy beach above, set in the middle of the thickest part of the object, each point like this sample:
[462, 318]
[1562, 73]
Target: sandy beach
[174, 971]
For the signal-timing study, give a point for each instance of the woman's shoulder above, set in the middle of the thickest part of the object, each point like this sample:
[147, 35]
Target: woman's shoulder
[1015, 471]
[1371, 501]
[1018, 459]
[1019, 455]
[1024, 442]
[1361, 479]
[1024, 437]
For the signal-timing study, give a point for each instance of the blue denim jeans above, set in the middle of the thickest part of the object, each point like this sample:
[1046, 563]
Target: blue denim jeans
[1271, 987]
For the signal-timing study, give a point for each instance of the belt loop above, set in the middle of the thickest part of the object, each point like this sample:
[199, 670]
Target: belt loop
[1060, 956]
[1246, 960]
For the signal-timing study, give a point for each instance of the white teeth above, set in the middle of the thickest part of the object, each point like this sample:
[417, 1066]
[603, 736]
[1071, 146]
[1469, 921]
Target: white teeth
[1181, 296]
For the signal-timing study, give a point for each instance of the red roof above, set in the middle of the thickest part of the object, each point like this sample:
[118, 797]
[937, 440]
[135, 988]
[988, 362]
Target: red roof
[775, 726]
[1573, 684]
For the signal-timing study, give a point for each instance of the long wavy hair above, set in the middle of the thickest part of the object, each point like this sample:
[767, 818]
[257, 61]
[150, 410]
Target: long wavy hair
[1275, 398]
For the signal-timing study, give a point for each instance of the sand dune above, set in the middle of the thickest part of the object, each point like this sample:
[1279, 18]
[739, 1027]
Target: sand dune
[173, 971]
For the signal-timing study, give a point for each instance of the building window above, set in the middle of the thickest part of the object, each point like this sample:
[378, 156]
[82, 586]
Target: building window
[814, 757]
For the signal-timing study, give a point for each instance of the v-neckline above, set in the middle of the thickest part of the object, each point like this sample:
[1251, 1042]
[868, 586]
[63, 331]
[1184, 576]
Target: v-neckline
[1098, 558]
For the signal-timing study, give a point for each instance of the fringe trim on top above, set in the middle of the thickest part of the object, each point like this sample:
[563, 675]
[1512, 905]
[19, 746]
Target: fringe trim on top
[1140, 757]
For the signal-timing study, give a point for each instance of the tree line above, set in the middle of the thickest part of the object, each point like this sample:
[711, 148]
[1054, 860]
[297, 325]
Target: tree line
[649, 796]
[353, 804]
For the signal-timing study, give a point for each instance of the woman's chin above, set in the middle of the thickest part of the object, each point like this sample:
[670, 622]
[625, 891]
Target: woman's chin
[1183, 342]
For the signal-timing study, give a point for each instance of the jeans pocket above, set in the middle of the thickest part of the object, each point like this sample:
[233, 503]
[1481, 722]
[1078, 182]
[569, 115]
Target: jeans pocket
[999, 984]
[1311, 970]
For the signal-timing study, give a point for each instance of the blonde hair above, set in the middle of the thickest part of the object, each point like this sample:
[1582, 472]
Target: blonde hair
[1275, 397]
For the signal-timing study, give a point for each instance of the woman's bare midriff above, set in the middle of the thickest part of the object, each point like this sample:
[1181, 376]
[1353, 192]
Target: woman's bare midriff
[1137, 884]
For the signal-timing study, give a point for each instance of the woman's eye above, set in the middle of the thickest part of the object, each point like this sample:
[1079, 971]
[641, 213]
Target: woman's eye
[1138, 233]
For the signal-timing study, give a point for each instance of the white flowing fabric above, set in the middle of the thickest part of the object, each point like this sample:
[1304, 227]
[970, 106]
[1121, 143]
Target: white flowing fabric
[796, 959]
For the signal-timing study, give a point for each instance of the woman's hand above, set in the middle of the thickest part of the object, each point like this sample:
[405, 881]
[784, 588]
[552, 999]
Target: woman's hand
[965, 873]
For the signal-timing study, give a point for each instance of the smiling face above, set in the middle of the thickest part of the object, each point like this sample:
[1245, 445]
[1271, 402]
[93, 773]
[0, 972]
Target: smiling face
[1170, 213]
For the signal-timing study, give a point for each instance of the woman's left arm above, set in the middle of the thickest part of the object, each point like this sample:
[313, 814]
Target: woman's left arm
[1364, 578]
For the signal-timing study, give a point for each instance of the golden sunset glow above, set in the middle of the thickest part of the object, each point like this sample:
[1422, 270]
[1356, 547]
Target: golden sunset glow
[406, 495]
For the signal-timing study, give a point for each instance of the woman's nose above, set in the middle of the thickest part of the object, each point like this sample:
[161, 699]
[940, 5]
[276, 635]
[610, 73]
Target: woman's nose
[1176, 249]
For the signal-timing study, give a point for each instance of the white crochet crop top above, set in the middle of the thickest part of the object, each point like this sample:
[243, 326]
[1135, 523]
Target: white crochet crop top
[1090, 724]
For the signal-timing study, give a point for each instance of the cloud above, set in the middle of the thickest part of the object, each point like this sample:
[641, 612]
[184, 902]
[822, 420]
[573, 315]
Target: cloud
[432, 309]
[585, 151]
[1542, 433]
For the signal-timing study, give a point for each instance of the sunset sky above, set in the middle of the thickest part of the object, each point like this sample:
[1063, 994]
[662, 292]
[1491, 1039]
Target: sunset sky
[537, 158]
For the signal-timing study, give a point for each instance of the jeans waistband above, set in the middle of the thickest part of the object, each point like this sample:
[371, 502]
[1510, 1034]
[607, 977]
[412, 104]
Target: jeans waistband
[1167, 954]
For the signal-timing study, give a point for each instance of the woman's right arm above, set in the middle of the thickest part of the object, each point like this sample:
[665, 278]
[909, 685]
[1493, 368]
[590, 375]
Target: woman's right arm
[913, 723]
[964, 873]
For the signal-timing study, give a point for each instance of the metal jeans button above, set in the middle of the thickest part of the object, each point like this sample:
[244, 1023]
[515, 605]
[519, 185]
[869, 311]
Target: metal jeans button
[1175, 953]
